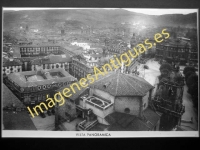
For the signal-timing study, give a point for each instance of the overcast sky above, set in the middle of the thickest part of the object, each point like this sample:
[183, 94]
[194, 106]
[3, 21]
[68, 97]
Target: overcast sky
[162, 11]
[139, 10]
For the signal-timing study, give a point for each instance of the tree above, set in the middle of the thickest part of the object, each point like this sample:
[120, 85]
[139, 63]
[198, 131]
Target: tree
[192, 83]
[192, 79]
[179, 79]
[194, 93]
[166, 66]
[164, 73]
[187, 69]
[188, 74]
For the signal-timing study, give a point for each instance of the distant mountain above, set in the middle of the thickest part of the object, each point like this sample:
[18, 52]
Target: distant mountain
[98, 18]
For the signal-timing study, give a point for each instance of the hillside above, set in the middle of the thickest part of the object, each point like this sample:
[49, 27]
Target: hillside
[83, 18]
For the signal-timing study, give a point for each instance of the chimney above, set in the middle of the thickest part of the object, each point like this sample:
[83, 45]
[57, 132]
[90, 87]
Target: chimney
[106, 84]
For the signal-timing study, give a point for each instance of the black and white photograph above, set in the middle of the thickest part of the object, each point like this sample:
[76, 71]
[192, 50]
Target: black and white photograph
[100, 72]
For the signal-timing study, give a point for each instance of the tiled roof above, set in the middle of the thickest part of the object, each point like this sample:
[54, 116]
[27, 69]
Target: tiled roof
[151, 116]
[179, 43]
[7, 62]
[51, 59]
[9, 98]
[119, 84]
[125, 122]
[19, 78]
[17, 121]
[40, 45]
[16, 52]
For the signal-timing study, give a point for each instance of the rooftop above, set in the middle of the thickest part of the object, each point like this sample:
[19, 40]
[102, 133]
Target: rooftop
[177, 42]
[39, 45]
[17, 121]
[119, 84]
[16, 52]
[126, 122]
[74, 95]
[51, 59]
[9, 98]
[8, 62]
[21, 78]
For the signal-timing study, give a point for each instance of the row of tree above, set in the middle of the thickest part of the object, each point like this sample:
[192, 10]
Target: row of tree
[191, 79]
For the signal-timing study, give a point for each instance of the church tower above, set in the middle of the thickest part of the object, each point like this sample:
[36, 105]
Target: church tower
[168, 100]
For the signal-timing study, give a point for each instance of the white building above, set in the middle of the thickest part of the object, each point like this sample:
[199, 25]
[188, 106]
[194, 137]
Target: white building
[83, 45]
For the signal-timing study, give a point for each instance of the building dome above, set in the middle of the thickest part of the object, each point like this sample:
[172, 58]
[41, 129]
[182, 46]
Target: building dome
[119, 84]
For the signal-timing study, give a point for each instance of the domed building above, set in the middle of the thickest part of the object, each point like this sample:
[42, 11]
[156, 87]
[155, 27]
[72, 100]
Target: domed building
[121, 102]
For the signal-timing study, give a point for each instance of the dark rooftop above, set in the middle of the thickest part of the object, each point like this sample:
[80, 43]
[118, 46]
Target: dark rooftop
[9, 98]
[125, 122]
[17, 121]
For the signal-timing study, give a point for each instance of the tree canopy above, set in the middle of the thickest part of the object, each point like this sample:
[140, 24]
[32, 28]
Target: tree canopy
[187, 69]
[166, 66]
[192, 79]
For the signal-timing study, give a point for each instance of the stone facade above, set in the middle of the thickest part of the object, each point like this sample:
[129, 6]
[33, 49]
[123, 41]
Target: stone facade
[64, 66]
[130, 105]
[11, 69]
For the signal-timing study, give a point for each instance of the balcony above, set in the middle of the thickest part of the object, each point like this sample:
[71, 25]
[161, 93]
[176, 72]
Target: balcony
[100, 108]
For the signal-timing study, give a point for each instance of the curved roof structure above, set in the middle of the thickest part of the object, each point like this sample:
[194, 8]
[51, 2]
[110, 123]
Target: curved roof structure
[119, 84]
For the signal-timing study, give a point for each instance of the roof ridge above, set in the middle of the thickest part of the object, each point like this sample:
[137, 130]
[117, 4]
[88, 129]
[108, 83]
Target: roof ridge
[103, 77]
[140, 79]
[132, 86]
